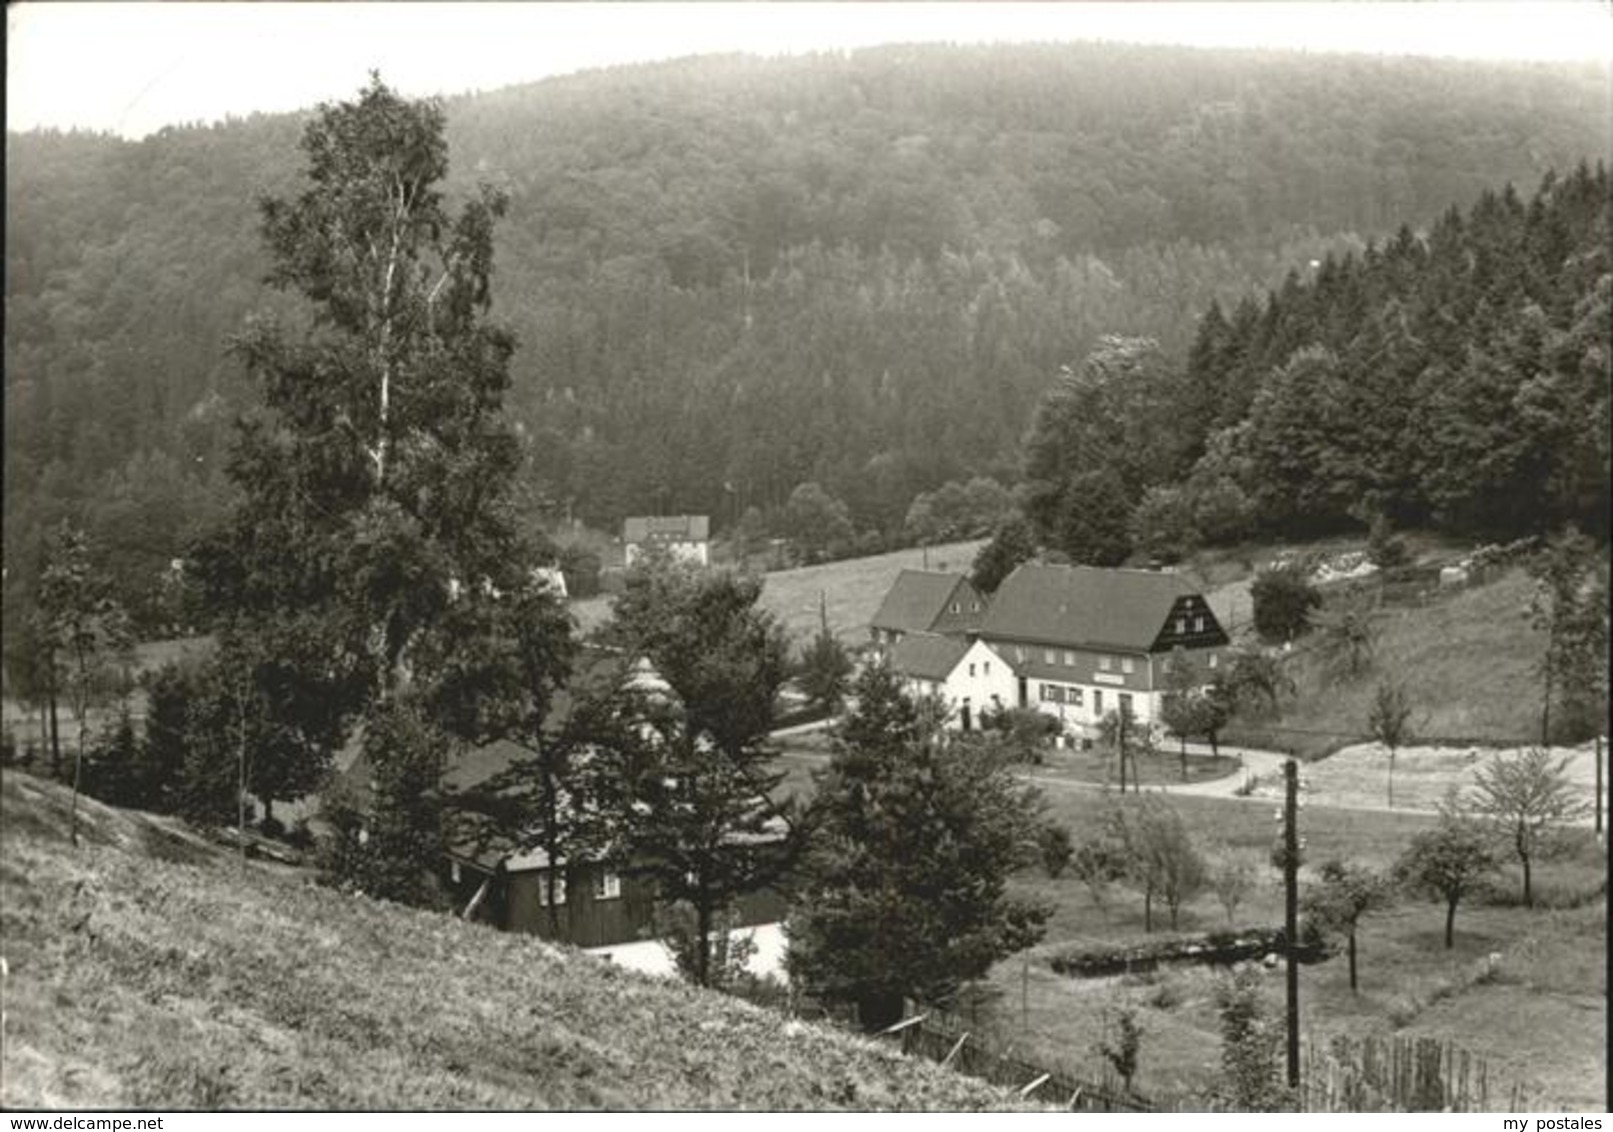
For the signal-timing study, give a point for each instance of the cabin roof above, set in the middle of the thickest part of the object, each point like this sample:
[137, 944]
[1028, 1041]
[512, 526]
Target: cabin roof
[927, 656]
[916, 600]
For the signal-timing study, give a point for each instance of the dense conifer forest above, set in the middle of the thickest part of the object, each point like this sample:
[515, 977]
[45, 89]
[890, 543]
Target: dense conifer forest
[1370, 287]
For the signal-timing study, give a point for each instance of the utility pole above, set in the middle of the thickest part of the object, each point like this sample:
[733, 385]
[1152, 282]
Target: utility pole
[1598, 756]
[1291, 910]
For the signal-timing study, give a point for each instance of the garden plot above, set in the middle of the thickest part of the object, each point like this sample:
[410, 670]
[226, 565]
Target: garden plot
[1357, 777]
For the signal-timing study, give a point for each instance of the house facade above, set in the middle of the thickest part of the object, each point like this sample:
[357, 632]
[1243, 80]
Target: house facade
[1084, 642]
[967, 674]
[926, 601]
[683, 537]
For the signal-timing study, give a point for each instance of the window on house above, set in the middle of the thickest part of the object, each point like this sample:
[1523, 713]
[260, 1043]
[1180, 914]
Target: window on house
[1214, 660]
[974, 607]
[1105, 663]
[988, 668]
[1076, 696]
[1125, 703]
[559, 889]
[1198, 624]
[1165, 664]
[1126, 665]
[1069, 659]
[971, 670]
[1050, 655]
[1181, 624]
[956, 607]
[1019, 654]
[607, 886]
[1097, 701]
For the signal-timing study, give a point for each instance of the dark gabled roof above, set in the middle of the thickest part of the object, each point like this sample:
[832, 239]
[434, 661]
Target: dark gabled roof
[1086, 606]
[927, 656]
[916, 601]
[666, 528]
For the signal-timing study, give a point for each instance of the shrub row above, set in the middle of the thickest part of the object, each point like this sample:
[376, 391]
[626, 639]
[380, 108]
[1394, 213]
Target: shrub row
[1226, 947]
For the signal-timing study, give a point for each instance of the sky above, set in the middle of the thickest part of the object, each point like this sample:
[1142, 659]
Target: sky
[132, 68]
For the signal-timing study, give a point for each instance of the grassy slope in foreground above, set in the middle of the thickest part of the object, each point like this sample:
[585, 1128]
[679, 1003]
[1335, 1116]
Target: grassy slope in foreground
[148, 970]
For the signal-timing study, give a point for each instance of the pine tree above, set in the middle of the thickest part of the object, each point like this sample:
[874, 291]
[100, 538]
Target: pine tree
[903, 893]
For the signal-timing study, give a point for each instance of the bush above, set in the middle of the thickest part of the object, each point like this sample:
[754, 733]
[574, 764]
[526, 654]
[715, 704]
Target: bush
[1056, 848]
[1283, 598]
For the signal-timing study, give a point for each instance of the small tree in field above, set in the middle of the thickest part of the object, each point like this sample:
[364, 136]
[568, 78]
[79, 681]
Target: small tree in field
[1160, 858]
[1120, 1044]
[1347, 634]
[1389, 722]
[88, 630]
[1232, 878]
[1448, 863]
[1528, 799]
[1345, 895]
[1249, 1043]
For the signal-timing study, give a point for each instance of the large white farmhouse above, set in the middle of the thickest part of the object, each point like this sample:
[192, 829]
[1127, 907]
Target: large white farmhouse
[1075, 642]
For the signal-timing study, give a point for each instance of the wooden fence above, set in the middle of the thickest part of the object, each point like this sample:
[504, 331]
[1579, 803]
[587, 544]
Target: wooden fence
[1342, 1074]
[932, 1037]
[1405, 1074]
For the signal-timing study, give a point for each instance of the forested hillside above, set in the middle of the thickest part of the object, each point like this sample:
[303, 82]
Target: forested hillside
[1456, 381]
[730, 276]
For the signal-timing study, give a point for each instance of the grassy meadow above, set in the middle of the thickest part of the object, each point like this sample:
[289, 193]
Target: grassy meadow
[1538, 1019]
[147, 969]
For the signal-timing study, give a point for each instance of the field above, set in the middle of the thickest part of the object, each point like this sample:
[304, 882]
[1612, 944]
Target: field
[147, 969]
[1538, 1019]
[852, 588]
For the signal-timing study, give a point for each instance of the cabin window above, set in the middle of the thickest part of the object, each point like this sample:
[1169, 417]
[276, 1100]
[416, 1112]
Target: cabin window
[607, 886]
[559, 889]
[1126, 665]
[1105, 663]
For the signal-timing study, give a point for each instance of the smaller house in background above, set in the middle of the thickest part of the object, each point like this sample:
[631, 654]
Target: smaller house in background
[967, 675]
[684, 537]
[926, 601]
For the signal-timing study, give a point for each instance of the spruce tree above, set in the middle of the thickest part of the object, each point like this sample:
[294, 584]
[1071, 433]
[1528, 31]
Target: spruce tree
[903, 893]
